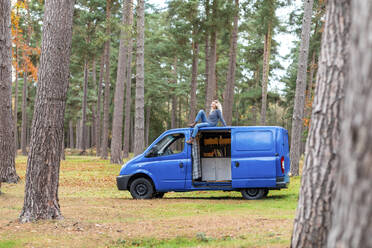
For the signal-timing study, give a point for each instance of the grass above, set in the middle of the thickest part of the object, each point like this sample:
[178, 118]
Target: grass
[96, 214]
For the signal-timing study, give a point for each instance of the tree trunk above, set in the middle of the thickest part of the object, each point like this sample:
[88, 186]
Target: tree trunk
[15, 113]
[352, 218]
[128, 84]
[106, 107]
[71, 128]
[42, 177]
[98, 110]
[207, 49]
[24, 113]
[309, 92]
[77, 130]
[313, 216]
[132, 134]
[173, 95]
[255, 105]
[212, 85]
[194, 79]
[228, 100]
[7, 156]
[265, 73]
[140, 81]
[147, 129]
[63, 155]
[84, 110]
[117, 121]
[299, 101]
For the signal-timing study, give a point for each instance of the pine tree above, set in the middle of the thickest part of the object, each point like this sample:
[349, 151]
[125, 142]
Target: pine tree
[139, 140]
[313, 215]
[7, 156]
[352, 212]
[299, 103]
[41, 190]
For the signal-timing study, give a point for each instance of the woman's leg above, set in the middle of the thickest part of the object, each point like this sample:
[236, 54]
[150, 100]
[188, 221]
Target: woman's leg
[197, 126]
[201, 116]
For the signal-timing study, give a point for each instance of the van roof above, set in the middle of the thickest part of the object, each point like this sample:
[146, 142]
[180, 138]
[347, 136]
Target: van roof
[231, 127]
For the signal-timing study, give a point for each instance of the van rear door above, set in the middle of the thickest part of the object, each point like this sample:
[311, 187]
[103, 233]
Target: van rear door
[253, 158]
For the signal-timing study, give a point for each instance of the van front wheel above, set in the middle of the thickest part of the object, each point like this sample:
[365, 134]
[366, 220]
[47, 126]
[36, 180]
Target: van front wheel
[253, 194]
[141, 188]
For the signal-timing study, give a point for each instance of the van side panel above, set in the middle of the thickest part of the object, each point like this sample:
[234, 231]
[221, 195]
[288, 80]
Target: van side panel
[253, 160]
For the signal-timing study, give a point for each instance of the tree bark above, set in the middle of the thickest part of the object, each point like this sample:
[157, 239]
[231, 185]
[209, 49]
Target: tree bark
[42, 177]
[106, 109]
[255, 105]
[299, 101]
[7, 156]
[71, 128]
[147, 129]
[24, 113]
[128, 84]
[265, 73]
[228, 100]
[352, 218]
[174, 95]
[15, 113]
[194, 78]
[139, 139]
[98, 110]
[83, 133]
[207, 48]
[117, 121]
[94, 112]
[313, 215]
[212, 85]
[77, 131]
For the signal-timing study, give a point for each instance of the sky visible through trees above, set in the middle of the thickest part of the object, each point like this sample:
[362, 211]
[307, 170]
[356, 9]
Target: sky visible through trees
[286, 41]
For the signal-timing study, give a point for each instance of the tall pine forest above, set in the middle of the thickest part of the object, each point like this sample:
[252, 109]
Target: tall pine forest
[182, 42]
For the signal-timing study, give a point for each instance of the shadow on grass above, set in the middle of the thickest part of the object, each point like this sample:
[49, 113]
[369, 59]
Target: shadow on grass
[237, 198]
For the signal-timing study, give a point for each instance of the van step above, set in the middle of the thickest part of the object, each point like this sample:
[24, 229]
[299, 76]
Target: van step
[212, 184]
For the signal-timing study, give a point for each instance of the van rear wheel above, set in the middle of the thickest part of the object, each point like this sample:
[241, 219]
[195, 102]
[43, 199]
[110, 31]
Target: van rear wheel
[253, 193]
[141, 188]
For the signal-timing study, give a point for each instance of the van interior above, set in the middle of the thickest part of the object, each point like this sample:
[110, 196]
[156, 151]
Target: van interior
[211, 155]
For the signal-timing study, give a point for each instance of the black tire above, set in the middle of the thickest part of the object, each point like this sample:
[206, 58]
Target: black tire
[266, 192]
[252, 193]
[159, 195]
[141, 188]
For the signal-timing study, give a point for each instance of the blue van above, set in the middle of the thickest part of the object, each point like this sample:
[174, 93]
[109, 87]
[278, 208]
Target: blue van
[252, 160]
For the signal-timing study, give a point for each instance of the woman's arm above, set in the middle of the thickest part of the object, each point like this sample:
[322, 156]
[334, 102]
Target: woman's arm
[221, 117]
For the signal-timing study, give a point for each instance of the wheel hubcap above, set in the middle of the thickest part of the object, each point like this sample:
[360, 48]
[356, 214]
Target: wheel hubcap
[252, 192]
[141, 189]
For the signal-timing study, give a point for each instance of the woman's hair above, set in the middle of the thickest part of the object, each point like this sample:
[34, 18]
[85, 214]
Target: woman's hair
[218, 105]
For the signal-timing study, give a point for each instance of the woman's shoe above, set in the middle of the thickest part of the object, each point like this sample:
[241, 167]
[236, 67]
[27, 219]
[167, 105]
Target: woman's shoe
[192, 124]
[190, 141]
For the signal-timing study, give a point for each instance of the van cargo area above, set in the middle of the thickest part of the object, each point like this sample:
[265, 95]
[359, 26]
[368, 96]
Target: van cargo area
[212, 158]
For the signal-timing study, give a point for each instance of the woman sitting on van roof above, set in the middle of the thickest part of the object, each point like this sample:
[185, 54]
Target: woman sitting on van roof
[215, 114]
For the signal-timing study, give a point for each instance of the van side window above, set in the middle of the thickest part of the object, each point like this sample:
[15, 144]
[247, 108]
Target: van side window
[170, 144]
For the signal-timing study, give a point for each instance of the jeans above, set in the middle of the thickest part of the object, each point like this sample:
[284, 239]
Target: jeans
[201, 116]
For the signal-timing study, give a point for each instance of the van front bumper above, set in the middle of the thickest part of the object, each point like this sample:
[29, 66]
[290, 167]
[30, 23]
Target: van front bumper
[122, 182]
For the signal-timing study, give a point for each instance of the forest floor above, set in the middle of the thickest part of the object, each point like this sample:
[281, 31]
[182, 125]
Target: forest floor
[96, 214]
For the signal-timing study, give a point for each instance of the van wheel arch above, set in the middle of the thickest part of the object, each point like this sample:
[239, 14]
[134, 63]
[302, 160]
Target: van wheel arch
[139, 175]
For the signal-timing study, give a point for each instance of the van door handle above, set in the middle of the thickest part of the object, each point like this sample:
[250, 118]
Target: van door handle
[181, 165]
[237, 164]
